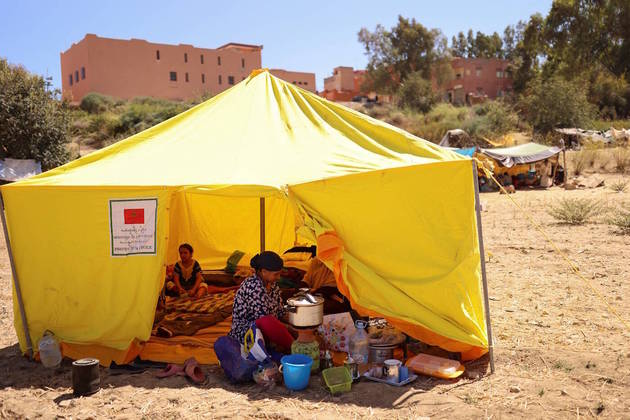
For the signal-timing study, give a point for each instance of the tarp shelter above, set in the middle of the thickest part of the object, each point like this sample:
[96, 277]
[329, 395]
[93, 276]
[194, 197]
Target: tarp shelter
[393, 216]
[521, 154]
[16, 169]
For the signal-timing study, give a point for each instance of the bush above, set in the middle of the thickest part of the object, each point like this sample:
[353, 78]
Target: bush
[33, 123]
[555, 103]
[575, 211]
[416, 93]
[95, 103]
[621, 157]
[621, 219]
[619, 186]
[495, 118]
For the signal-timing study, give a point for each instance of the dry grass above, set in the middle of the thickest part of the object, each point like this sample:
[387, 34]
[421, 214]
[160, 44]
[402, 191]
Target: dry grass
[619, 186]
[555, 344]
[621, 158]
[575, 211]
[620, 218]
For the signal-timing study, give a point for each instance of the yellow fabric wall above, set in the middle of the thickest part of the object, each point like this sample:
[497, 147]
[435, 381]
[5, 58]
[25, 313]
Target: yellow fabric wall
[411, 250]
[218, 224]
[70, 283]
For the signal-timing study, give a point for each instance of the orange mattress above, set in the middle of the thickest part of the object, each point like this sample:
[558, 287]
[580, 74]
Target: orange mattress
[179, 348]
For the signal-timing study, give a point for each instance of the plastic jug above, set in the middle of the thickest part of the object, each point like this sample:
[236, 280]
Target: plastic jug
[49, 351]
[358, 347]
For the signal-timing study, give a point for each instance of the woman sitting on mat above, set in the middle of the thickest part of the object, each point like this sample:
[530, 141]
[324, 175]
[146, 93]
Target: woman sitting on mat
[187, 278]
[258, 300]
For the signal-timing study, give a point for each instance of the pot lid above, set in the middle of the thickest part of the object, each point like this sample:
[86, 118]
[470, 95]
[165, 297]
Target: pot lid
[305, 300]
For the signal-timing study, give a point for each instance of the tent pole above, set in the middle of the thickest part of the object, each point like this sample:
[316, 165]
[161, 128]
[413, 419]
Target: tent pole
[16, 282]
[564, 162]
[262, 224]
[483, 267]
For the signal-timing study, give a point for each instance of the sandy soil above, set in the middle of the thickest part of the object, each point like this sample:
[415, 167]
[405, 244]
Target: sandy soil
[559, 353]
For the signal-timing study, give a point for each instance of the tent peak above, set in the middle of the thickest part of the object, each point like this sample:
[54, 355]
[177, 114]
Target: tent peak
[256, 72]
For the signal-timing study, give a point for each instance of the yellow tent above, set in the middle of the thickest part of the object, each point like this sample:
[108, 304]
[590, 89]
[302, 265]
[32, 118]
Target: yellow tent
[392, 215]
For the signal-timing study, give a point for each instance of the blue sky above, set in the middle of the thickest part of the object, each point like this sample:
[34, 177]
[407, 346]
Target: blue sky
[297, 35]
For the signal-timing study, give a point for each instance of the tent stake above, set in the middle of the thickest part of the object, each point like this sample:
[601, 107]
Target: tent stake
[262, 224]
[16, 282]
[483, 267]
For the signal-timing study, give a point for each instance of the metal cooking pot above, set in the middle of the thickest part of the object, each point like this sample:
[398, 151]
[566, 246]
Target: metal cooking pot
[305, 310]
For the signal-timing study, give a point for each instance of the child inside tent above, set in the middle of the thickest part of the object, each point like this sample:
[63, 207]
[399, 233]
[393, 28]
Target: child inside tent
[187, 278]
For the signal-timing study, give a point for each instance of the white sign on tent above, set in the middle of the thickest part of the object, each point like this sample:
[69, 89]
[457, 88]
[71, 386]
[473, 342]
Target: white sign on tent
[132, 226]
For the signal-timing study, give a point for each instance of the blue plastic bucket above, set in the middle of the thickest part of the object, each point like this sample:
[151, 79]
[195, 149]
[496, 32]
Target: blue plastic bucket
[296, 370]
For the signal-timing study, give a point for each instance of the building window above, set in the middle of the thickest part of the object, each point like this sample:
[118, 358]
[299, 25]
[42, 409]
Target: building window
[186, 77]
[230, 80]
[82, 73]
[458, 76]
[203, 78]
[499, 74]
[305, 83]
[499, 93]
[243, 62]
[185, 57]
[70, 78]
[76, 76]
[218, 60]
[220, 79]
[173, 76]
[478, 71]
[157, 54]
[467, 72]
[201, 57]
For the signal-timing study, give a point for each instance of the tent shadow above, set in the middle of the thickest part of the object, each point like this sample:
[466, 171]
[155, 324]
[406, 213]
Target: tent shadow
[20, 373]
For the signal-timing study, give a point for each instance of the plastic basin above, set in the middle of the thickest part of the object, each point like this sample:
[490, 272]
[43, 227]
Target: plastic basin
[337, 379]
[296, 371]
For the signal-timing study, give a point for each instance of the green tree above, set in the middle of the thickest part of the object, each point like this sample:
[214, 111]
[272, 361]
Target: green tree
[33, 124]
[416, 93]
[509, 41]
[584, 33]
[555, 103]
[528, 53]
[393, 55]
[459, 45]
[470, 41]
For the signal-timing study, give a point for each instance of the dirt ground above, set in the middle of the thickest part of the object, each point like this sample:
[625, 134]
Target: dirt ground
[559, 352]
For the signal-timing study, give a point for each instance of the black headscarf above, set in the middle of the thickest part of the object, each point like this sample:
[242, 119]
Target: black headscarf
[268, 260]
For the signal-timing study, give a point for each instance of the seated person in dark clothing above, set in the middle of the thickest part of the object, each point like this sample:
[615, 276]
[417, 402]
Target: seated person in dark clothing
[187, 278]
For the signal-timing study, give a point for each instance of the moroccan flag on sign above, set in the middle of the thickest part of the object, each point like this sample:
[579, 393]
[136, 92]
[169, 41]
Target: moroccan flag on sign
[134, 216]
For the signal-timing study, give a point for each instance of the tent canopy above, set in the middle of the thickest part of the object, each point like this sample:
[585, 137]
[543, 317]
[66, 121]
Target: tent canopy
[392, 215]
[524, 153]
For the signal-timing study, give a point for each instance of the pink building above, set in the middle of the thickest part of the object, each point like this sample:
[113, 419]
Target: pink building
[131, 68]
[301, 79]
[344, 84]
[477, 78]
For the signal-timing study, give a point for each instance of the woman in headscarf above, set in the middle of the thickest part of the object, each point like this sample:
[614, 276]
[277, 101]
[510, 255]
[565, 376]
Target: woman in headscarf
[258, 301]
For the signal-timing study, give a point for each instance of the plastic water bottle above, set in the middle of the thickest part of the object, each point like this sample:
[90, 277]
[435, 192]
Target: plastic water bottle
[49, 351]
[359, 344]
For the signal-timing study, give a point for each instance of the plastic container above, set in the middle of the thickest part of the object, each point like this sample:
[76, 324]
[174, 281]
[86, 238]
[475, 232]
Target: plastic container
[438, 367]
[337, 379]
[359, 346]
[296, 371]
[49, 351]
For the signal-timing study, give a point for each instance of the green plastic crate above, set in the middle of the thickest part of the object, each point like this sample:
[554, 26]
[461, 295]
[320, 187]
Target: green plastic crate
[337, 379]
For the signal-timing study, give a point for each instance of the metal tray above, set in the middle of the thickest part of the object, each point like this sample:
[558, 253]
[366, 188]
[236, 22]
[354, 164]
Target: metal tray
[412, 377]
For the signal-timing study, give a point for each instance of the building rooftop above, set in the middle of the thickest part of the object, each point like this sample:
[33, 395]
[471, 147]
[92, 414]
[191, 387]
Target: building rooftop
[229, 45]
